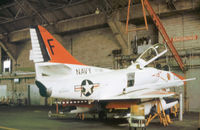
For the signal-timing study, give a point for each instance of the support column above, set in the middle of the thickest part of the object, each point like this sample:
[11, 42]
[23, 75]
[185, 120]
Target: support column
[118, 29]
[181, 107]
[186, 104]
[10, 50]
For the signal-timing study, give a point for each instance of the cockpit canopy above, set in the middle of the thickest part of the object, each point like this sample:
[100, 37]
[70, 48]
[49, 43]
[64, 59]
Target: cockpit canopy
[151, 54]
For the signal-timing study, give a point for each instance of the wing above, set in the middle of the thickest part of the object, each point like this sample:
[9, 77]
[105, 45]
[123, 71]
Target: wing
[142, 94]
[150, 92]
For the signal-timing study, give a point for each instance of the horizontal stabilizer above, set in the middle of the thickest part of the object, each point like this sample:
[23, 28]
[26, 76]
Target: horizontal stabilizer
[53, 70]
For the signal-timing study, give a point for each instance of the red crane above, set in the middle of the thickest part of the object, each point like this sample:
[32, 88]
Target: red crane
[161, 29]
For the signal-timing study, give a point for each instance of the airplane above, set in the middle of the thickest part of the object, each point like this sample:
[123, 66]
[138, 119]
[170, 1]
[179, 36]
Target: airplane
[60, 75]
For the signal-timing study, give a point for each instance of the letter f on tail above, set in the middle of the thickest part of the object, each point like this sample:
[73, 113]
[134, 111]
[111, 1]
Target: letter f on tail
[45, 48]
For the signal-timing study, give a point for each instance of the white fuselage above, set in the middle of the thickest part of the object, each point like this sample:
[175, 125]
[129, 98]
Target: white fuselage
[92, 83]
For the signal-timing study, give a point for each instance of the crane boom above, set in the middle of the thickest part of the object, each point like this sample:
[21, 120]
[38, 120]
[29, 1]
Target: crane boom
[163, 33]
[159, 25]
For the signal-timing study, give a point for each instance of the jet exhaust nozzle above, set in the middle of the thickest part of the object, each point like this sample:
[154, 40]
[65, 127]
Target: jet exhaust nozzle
[44, 92]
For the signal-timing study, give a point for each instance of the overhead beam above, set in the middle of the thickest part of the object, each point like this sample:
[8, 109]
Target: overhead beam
[19, 35]
[8, 52]
[92, 20]
[38, 13]
[80, 22]
[160, 8]
[7, 6]
[10, 12]
[21, 6]
[6, 18]
[118, 29]
[4, 29]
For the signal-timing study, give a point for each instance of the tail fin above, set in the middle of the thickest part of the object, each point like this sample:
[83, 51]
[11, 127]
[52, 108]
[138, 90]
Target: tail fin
[46, 48]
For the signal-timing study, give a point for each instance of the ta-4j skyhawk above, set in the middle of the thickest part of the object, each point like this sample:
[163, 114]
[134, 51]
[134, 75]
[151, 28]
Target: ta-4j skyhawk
[60, 75]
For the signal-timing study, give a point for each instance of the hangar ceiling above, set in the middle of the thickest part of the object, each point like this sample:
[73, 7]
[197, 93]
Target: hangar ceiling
[19, 14]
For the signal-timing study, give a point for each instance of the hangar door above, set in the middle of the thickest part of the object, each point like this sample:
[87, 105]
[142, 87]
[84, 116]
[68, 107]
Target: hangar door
[34, 95]
[3, 91]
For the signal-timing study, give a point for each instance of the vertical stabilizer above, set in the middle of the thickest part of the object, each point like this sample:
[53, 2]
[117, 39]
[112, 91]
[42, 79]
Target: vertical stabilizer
[45, 48]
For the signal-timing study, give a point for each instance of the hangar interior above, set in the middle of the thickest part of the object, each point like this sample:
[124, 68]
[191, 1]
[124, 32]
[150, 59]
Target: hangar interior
[93, 31]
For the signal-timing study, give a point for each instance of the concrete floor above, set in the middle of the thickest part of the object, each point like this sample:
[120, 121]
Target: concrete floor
[35, 118]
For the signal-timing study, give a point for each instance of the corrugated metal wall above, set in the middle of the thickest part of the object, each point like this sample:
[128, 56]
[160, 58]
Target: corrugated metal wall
[183, 25]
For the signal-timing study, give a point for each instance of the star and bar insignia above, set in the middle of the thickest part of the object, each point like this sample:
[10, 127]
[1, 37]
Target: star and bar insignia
[86, 88]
